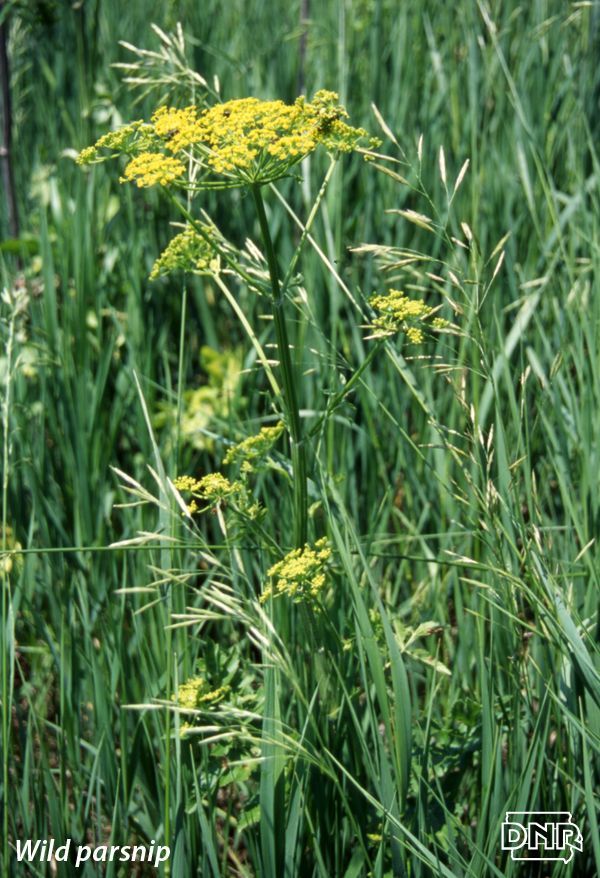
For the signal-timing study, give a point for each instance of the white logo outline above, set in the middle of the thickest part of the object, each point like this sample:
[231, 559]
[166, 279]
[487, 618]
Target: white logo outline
[560, 838]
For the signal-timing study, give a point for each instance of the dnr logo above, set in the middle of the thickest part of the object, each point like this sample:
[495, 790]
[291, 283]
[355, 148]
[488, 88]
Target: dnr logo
[541, 835]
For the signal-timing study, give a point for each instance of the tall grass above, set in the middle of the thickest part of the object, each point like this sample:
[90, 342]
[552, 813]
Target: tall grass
[455, 674]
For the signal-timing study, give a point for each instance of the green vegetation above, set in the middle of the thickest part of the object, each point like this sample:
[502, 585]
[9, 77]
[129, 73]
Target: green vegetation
[299, 571]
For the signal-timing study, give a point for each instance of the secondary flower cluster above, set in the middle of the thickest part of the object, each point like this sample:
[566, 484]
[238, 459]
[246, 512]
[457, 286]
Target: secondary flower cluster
[125, 139]
[300, 574]
[195, 693]
[213, 488]
[398, 313]
[249, 451]
[187, 251]
[246, 140]
[150, 168]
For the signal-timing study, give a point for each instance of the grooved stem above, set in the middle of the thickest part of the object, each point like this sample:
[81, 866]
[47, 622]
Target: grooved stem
[288, 379]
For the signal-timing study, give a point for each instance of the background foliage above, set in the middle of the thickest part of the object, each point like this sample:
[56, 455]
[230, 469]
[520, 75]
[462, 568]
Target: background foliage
[460, 488]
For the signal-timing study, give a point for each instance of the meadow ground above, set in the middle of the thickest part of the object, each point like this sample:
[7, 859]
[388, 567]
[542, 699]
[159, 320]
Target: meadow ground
[374, 704]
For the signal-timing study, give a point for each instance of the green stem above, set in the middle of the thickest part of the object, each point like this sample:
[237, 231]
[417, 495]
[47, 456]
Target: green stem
[176, 598]
[180, 374]
[288, 379]
[167, 765]
[307, 226]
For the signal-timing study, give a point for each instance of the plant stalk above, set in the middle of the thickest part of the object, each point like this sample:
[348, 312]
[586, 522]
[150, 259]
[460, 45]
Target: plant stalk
[288, 377]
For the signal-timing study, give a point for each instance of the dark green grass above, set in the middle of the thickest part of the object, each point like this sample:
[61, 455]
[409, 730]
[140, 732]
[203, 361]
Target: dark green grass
[432, 516]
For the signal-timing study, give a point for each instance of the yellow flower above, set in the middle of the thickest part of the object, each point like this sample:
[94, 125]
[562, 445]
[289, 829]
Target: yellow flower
[177, 127]
[188, 693]
[300, 574]
[187, 483]
[116, 141]
[214, 695]
[256, 140]
[398, 313]
[187, 251]
[414, 335]
[192, 694]
[216, 488]
[242, 134]
[150, 168]
[246, 140]
[250, 450]
[213, 487]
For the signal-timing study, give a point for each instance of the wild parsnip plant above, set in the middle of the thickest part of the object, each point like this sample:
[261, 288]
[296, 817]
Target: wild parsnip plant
[248, 144]
[336, 628]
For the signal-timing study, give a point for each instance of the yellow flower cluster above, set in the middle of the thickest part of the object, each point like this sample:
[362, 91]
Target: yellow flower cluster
[398, 313]
[216, 488]
[186, 483]
[247, 140]
[150, 168]
[192, 694]
[300, 574]
[250, 450]
[239, 131]
[116, 141]
[213, 487]
[264, 138]
[187, 251]
[177, 127]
